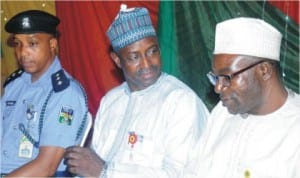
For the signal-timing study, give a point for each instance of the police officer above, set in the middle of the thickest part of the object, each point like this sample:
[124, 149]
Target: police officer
[43, 108]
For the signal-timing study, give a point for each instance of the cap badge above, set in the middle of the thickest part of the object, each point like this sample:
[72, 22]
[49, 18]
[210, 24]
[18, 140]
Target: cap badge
[25, 22]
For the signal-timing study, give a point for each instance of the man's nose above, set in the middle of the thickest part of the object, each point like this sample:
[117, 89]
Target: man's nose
[219, 87]
[144, 62]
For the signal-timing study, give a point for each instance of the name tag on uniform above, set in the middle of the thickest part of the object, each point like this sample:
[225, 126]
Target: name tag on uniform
[10, 103]
[25, 148]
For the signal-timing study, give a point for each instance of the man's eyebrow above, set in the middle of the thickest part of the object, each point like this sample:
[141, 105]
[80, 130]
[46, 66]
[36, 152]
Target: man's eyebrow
[223, 70]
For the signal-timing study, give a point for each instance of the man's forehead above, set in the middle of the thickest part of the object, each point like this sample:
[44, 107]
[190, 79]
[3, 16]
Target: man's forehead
[226, 61]
[147, 42]
[225, 58]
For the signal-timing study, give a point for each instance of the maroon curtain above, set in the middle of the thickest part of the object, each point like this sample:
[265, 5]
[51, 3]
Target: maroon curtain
[291, 8]
[84, 45]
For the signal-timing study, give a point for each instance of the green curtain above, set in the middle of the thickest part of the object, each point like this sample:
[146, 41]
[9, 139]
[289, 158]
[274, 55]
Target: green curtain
[186, 35]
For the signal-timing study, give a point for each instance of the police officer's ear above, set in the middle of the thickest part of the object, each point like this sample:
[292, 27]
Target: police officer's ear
[53, 44]
[115, 58]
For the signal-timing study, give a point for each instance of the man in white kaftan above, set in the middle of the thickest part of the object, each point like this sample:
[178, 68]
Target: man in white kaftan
[252, 146]
[158, 125]
[254, 131]
[145, 127]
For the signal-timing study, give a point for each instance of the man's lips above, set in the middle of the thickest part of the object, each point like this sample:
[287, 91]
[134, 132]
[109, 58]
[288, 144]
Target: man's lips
[148, 75]
[26, 63]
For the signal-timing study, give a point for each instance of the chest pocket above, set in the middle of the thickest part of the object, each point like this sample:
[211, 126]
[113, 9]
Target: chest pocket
[9, 108]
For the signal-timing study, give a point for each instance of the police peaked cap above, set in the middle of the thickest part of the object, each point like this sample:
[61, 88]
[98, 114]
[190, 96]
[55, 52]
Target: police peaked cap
[32, 21]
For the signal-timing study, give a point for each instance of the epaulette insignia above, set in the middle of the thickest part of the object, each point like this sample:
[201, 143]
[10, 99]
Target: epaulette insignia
[59, 81]
[13, 76]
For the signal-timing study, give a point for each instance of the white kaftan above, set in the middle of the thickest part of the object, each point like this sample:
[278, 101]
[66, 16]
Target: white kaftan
[251, 146]
[148, 133]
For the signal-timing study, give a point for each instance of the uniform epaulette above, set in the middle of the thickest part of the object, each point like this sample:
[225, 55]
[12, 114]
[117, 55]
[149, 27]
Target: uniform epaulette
[59, 81]
[13, 76]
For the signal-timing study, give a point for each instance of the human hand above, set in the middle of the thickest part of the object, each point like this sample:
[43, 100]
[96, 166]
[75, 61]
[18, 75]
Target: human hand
[83, 161]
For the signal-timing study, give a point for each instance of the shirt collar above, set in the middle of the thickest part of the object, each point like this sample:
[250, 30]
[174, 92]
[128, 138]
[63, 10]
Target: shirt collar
[45, 79]
[146, 90]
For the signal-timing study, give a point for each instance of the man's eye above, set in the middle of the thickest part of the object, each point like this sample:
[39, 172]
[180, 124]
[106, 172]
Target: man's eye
[33, 44]
[152, 51]
[227, 77]
[16, 44]
[133, 58]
